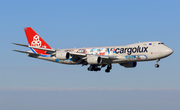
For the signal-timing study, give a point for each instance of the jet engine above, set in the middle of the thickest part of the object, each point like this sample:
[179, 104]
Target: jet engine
[94, 60]
[129, 64]
[62, 55]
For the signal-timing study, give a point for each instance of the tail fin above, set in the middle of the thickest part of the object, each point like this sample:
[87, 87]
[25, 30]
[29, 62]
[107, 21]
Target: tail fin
[36, 41]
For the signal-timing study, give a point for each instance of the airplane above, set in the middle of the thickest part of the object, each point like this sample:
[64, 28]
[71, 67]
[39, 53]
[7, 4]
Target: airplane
[96, 57]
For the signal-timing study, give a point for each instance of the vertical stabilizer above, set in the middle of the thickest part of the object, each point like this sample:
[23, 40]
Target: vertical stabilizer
[35, 40]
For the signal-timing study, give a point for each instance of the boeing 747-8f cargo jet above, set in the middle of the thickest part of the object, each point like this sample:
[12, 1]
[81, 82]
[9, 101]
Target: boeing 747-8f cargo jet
[96, 57]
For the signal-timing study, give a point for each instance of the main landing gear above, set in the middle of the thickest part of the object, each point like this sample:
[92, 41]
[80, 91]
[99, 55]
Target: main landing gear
[157, 65]
[94, 68]
[109, 67]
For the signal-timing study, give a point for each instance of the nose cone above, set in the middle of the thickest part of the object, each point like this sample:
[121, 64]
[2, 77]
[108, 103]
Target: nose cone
[167, 51]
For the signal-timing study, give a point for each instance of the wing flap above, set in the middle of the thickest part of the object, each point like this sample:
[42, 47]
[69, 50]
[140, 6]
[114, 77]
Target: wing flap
[102, 56]
[86, 55]
[109, 57]
[78, 54]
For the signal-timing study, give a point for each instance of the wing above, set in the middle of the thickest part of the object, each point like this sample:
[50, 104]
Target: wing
[80, 57]
[85, 55]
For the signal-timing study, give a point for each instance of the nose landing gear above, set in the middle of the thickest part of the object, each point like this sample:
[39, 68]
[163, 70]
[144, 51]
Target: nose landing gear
[157, 65]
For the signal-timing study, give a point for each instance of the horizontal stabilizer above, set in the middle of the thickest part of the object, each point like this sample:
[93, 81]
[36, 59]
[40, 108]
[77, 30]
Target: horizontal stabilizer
[26, 52]
[20, 44]
[45, 49]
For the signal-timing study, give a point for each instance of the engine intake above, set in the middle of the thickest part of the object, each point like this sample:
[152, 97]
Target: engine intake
[129, 64]
[94, 60]
[62, 55]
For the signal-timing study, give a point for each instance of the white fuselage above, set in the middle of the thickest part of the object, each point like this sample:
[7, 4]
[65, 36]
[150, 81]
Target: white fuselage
[143, 51]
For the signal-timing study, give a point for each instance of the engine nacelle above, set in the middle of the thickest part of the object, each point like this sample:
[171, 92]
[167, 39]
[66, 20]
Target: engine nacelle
[62, 55]
[129, 64]
[94, 60]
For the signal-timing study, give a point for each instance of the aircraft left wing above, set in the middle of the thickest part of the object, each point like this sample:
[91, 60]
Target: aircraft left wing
[108, 57]
[86, 55]
[79, 57]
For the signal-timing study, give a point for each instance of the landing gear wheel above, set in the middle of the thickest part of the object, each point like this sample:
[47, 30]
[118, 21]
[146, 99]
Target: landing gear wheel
[88, 69]
[107, 70]
[157, 65]
[93, 68]
[99, 69]
[109, 67]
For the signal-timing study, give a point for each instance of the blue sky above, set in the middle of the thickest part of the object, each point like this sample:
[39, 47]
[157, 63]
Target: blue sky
[69, 24]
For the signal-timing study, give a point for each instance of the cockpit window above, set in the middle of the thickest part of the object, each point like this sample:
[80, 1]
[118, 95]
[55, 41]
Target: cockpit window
[161, 43]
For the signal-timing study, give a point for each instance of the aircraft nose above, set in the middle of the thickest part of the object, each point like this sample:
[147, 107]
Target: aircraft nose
[168, 51]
